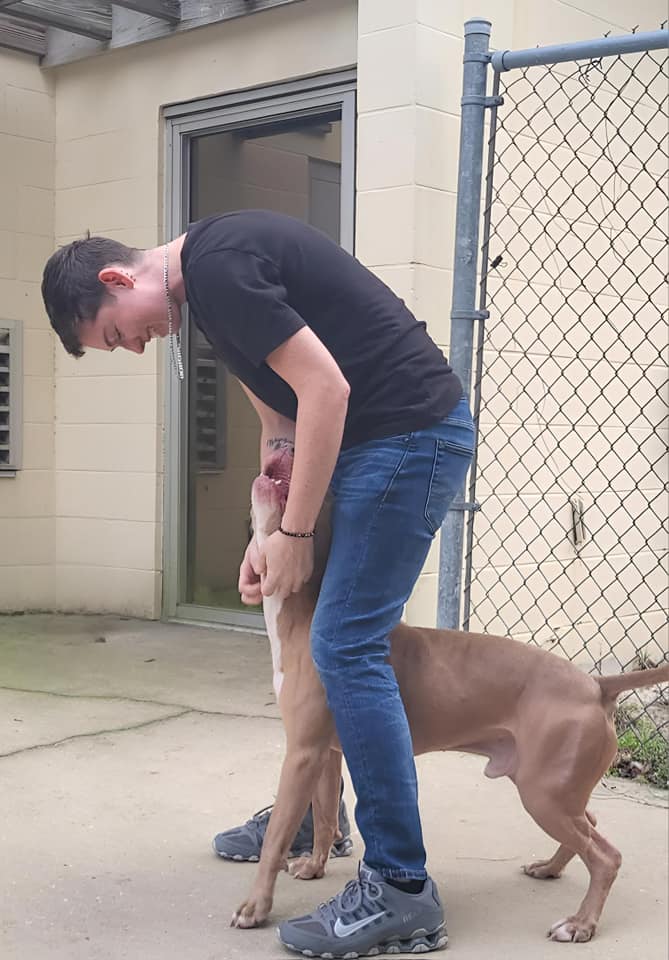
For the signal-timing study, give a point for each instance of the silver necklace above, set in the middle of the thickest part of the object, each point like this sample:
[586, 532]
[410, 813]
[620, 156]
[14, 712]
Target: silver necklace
[174, 338]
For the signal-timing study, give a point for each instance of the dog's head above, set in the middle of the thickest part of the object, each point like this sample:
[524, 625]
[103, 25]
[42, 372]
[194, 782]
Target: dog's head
[269, 494]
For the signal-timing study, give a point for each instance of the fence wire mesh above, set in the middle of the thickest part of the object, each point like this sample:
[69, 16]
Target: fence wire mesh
[569, 549]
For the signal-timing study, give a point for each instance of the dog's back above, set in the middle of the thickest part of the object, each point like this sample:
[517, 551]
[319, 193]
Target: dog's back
[461, 689]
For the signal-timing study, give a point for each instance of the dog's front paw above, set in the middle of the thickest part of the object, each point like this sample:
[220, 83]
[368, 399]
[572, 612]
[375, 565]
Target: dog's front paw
[307, 868]
[572, 930]
[541, 870]
[252, 913]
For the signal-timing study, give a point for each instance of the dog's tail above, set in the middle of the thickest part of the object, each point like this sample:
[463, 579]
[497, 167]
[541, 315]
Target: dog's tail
[613, 686]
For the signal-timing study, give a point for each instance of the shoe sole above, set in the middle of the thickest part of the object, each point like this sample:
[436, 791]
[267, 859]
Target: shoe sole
[344, 848]
[420, 941]
[237, 857]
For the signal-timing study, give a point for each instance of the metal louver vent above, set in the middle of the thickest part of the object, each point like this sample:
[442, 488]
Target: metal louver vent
[9, 395]
[209, 421]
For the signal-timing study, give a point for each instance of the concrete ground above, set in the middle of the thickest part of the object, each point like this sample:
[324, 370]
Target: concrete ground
[126, 745]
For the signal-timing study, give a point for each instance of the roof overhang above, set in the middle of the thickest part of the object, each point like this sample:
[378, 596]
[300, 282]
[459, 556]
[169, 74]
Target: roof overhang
[59, 31]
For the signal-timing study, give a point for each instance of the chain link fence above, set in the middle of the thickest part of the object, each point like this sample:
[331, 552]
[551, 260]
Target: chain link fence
[569, 547]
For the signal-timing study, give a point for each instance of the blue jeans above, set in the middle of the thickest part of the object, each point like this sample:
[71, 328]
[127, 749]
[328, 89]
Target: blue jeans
[390, 497]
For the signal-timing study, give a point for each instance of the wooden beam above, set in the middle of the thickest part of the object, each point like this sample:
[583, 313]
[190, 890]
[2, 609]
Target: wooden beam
[130, 27]
[169, 10]
[88, 18]
[18, 35]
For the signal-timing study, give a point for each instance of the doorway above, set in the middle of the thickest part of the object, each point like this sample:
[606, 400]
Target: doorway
[290, 151]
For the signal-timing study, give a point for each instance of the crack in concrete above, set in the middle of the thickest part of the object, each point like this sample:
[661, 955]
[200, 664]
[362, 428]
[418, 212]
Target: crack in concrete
[182, 709]
[115, 698]
[111, 698]
[93, 733]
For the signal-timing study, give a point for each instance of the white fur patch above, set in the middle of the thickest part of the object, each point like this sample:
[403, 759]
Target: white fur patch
[272, 607]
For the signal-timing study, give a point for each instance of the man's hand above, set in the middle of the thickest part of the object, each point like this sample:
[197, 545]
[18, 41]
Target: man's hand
[250, 572]
[289, 563]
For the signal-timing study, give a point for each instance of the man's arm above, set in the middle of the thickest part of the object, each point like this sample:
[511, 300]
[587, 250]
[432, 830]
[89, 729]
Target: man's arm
[285, 563]
[322, 402]
[276, 430]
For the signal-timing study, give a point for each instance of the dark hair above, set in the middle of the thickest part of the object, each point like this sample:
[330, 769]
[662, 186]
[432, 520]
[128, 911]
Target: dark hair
[71, 289]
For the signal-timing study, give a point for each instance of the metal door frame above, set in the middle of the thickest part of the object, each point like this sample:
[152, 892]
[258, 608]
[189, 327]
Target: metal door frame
[182, 122]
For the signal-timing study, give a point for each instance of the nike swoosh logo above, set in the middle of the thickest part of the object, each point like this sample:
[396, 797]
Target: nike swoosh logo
[341, 929]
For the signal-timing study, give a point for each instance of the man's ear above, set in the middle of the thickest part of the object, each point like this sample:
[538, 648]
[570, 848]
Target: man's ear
[116, 277]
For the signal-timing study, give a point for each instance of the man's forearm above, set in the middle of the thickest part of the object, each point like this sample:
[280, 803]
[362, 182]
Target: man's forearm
[318, 435]
[314, 441]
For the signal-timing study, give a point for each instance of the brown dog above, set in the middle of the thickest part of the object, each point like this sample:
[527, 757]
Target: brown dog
[540, 720]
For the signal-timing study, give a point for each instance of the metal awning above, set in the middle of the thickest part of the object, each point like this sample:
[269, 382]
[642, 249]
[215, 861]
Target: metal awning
[59, 31]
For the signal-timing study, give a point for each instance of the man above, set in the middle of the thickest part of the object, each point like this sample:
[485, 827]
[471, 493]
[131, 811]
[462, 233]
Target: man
[336, 365]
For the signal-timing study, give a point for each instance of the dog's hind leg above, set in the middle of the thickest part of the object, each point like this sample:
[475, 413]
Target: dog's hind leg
[552, 869]
[576, 833]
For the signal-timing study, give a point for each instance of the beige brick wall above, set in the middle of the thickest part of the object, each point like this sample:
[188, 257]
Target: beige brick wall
[410, 81]
[92, 539]
[408, 103]
[109, 158]
[27, 133]
[609, 596]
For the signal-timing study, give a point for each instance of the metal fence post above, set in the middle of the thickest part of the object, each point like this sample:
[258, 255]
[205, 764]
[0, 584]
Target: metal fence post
[464, 313]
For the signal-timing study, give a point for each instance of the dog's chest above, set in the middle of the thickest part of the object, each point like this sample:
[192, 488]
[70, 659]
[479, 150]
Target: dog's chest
[272, 609]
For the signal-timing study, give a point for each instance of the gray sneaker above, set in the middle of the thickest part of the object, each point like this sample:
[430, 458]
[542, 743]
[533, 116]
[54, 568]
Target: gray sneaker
[368, 918]
[245, 843]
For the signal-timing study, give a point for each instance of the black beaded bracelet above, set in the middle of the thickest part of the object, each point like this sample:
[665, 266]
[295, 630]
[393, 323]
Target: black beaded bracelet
[301, 536]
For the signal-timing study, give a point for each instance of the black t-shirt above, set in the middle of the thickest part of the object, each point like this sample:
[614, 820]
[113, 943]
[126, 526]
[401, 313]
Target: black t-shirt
[253, 278]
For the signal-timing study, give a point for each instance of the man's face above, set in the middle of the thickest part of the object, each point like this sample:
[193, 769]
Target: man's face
[135, 313]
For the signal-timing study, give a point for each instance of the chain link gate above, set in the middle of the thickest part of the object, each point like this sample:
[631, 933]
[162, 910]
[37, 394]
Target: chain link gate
[566, 537]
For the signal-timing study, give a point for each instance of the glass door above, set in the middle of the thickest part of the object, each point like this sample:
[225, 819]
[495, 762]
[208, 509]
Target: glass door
[293, 156]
